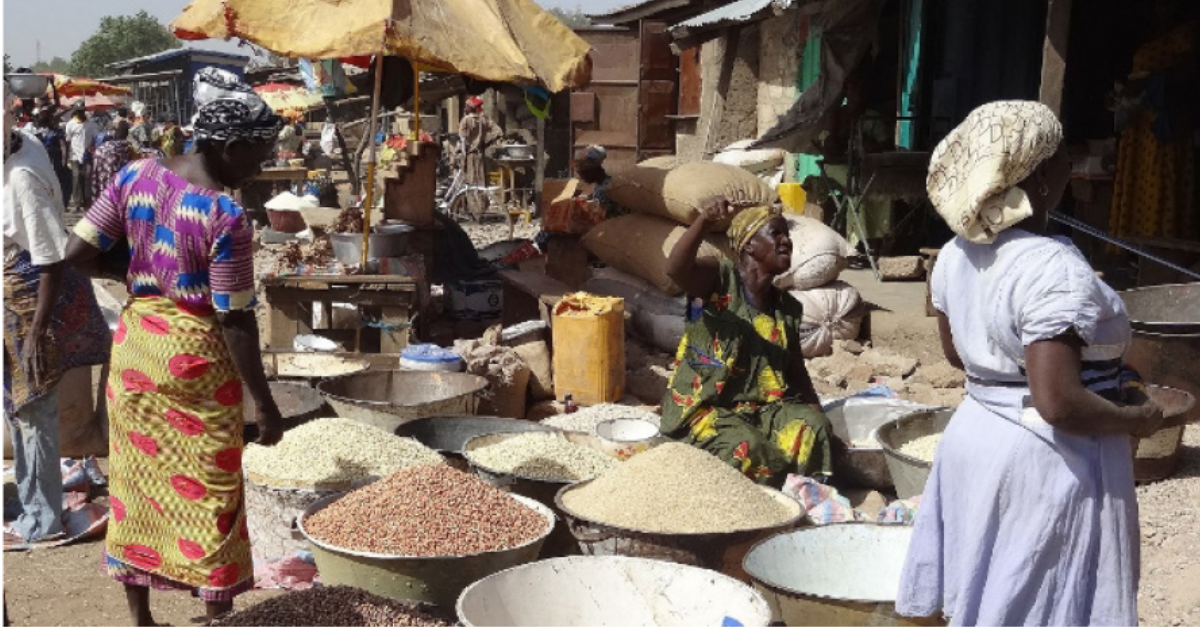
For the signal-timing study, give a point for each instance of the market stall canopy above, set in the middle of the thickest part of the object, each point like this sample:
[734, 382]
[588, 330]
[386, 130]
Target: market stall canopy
[511, 41]
[286, 97]
[99, 102]
[73, 86]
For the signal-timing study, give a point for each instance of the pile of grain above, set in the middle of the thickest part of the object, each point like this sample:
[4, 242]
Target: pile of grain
[542, 456]
[922, 448]
[427, 511]
[331, 606]
[676, 488]
[587, 418]
[334, 453]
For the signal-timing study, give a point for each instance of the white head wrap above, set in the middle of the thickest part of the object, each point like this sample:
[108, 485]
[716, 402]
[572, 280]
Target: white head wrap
[974, 171]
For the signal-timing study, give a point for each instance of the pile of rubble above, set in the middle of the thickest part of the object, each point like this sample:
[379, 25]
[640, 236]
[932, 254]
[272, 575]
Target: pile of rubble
[857, 366]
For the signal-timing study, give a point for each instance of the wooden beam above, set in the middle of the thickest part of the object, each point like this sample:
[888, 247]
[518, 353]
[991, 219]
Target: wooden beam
[1054, 53]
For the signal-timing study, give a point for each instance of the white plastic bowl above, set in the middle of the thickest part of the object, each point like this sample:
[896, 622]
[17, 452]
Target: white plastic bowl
[625, 437]
[313, 344]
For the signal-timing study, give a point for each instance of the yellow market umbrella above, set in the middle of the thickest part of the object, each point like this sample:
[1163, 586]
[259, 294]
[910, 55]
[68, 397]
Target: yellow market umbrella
[510, 41]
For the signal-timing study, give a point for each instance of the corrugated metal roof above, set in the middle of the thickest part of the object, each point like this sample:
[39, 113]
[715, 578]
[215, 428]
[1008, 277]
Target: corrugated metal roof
[734, 13]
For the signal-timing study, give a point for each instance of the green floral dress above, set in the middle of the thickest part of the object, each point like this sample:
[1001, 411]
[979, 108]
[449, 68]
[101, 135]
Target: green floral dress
[729, 393]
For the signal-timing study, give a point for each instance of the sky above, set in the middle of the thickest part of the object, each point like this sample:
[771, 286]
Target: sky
[61, 25]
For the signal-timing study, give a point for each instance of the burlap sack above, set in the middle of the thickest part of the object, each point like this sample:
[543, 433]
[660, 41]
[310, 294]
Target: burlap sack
[819, 254]
[536, 355]
[676, 193]
[833, 312]
[640, 244]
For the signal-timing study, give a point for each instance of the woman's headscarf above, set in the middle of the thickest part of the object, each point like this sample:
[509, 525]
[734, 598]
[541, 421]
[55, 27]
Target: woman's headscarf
[228, 109]
[747, 222]
[974, 171]
[594, 153]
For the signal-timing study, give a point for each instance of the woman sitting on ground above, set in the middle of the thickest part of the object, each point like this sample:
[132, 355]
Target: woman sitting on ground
[740, 388]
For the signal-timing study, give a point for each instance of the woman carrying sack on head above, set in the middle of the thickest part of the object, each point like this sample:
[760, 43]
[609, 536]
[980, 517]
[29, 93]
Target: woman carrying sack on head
[740, 389]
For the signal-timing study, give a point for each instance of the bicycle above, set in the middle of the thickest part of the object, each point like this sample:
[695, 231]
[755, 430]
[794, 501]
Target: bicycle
[456, 198]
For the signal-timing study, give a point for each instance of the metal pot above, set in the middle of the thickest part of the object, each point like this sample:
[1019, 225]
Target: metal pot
[858, 586]
[392, 398]
[1165, 351]
[578, 591]
[517, 151]
[722, 552]
[436, 580]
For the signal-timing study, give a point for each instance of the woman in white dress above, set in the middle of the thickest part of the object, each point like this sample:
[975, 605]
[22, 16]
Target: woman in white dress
[1030, 515]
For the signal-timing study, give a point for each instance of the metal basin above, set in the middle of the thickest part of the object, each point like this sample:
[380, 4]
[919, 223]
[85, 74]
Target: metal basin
[310, 365]
[392, 398]
[854, 420]
[1165, 351]
[585, 591]
[722, 552]
[298, 404]
[857, 586]
[909, 473]
[448, 434]
[436, 580]
[545, 491]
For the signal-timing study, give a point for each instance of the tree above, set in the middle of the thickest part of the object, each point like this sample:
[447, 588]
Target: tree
[574, 18]
[8, 68]
[58, 65]
[119, 38]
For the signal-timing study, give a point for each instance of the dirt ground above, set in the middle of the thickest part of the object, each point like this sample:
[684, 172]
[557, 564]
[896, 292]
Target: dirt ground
[67, 586]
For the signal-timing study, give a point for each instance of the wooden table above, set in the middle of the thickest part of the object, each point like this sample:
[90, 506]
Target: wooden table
[386, 306]
[257, 191]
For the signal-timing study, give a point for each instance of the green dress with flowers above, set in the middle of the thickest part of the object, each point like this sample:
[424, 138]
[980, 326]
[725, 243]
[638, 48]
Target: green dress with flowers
[728, 394]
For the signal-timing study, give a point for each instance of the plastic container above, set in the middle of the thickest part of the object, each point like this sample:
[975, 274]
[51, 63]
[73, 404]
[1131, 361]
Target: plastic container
[313, 344]
[858, 585]
[589, 348]
[579, 591]
[430, 358]
[793, 196]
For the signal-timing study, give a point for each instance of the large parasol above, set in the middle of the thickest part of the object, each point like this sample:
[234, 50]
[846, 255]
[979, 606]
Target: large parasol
[73, 86]
[510, 41]
[282, 97]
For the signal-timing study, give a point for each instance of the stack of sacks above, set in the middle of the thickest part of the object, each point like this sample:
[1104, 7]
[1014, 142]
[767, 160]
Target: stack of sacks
[765, 163]
[833, 310]
[665, 200]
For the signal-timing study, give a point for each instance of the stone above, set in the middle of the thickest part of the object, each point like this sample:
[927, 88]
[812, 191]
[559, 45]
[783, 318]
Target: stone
[889, 364]
[901, 268]
[941, 375]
